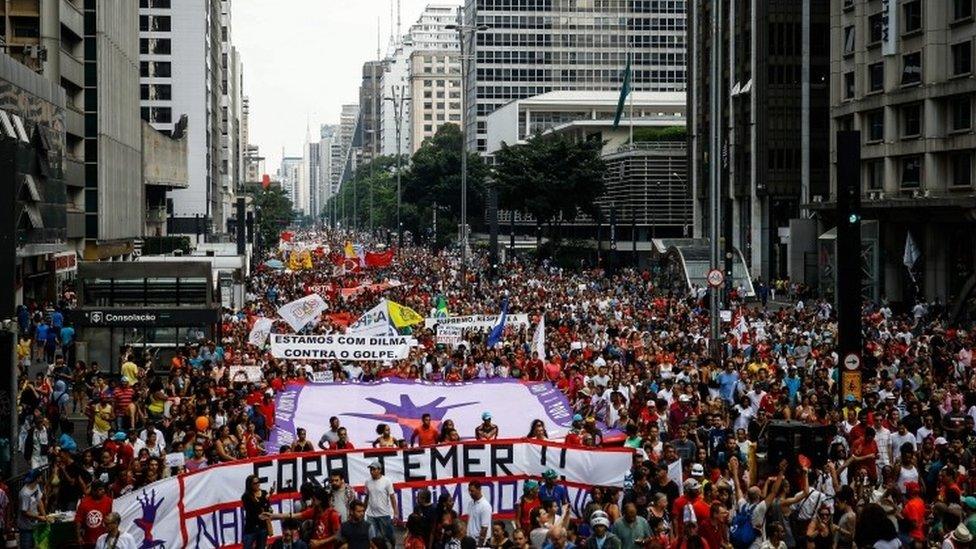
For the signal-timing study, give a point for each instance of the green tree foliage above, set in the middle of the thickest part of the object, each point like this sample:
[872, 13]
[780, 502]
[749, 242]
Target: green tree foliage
[275, 210]
[551, 177]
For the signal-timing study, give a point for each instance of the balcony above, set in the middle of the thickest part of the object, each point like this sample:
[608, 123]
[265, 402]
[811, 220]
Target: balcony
[72, 69]
[72, 18]
[74, 172]
[76, 225]
[74, 122]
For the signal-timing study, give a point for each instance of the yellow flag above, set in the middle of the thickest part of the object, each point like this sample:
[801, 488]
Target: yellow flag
[350, 251]
[403, 316]
[306, 260]
[294, 262]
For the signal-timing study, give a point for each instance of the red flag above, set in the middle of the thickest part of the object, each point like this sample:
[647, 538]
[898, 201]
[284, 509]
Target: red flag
[379, 259]
[343, 319]
[265, 181]
[287, 236]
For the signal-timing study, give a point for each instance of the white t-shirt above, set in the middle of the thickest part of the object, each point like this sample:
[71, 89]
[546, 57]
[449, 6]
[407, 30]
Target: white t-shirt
[379, 491]
[479, 516]
[897, 441]
[125, 541]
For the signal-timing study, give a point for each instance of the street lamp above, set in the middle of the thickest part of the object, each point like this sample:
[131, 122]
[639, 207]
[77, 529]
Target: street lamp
[463, 30]
[398, 123]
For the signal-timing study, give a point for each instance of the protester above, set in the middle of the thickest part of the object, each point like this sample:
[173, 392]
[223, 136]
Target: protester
[116, 538]
[381, 503]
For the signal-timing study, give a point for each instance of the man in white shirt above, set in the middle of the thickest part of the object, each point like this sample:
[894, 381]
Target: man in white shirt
[898, 439]
[115, 538]
[381, 504]
[479, 514]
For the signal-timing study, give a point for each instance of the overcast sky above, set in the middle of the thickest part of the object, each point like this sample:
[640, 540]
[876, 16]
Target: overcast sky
[303, 60]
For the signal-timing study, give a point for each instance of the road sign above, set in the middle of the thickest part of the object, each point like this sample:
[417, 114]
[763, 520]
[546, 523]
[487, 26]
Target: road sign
[715, 278]
[852, 361]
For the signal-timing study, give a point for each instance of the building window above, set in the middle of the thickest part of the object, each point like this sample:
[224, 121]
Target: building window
[876, 76]
[849, 40]
[848, 85]
[911, 172]
[962, 58]
[876, 125]
[876, 174]
[962, 168]
[962, 9]
[912, 15]
[911, 68]
[161, 92]
[155, 23]
[162, 69]
[911, 120]
[875, 28]
[162, 115]
[961, 110]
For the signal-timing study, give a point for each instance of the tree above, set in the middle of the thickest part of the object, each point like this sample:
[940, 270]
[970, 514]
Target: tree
[435, 178]
[275, 211]
[552, 178]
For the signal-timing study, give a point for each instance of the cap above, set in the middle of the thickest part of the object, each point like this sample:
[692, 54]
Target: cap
[375, 465]
[969, 501]
[684, 398]
[697, 470]
[531, 485]
[941, 441]
[692, 484]
[961, 534]
[577, 417]
[486, 416]
[600, 521]
[120, 436]
[549, 474]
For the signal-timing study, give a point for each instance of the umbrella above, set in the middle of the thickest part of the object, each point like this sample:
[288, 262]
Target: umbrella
[274, 264]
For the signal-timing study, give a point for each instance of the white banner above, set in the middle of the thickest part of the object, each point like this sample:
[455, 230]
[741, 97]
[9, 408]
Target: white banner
[539, 339]
[449, 335]
[246, 374]
[401, 403]
[340, 347]
[300, 312]
[259, 332]
[889, 27]
[203, 509]
[477, 321]
[374, 322]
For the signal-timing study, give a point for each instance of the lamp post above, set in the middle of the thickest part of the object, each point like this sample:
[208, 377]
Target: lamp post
[398, 101]
[464, 31]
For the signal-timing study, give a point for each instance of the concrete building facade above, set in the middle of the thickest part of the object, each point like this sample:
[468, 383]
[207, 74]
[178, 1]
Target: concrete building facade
[902, 73]
[539, 46]
[774, 104]
[181, 74]
[435, 86]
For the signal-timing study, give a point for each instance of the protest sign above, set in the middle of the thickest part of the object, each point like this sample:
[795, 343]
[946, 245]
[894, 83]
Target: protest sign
[300, 312]
[341, 347]
[245, 374]
[449, 335]
[259, 332]
[203, 508]
[477, 321]
[402, 403]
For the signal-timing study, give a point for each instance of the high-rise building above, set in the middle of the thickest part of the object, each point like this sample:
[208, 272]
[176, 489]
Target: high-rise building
[290, 175]
[329, 151]
[536, 47]
[348, 126]
[430, 34]
[370, 104]
[902, 74]
[312, 172]
[181, 67]
[774, 81]
[231, 106]
[435, 89]
[114, 191]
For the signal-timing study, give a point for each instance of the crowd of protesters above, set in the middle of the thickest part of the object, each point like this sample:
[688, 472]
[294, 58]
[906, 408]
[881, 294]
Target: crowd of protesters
[629, 357]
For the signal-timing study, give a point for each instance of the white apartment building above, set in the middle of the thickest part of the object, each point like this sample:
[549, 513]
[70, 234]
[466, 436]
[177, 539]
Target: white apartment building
[180, 73]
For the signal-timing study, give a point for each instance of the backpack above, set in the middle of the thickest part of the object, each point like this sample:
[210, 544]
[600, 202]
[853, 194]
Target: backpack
[742, 533]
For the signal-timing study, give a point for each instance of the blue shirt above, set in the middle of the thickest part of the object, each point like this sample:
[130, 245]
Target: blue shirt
[557, 493]
[67, 335]
[726, 385]
[42, 331]
[57, 319]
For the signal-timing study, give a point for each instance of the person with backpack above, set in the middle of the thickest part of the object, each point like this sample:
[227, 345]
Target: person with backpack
[750, 516]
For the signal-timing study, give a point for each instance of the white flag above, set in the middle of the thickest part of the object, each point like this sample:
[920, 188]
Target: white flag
[912, 252]
[300, 312]
[259, 333]
[675, 473]
[374, 322]
[539, 339]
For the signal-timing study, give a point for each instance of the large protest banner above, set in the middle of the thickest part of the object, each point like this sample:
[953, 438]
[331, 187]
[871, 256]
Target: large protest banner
[477, 321]
[203, 509]
[341, 347]
[402, 402]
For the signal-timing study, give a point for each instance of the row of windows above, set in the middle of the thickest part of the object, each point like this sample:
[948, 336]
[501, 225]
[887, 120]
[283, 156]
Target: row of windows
[616, 40]
[615, 58]
[910, 170]
[428, 94]
[155, 92]
[156, 46]
[160, 4]
[958, 113]
[161, 69]
[911, 72]
[910, 22]
[155, 23]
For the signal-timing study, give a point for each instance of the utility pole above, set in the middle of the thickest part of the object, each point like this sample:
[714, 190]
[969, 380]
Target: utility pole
[398, 101]
[714, 165]
[463, 30]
